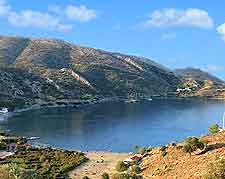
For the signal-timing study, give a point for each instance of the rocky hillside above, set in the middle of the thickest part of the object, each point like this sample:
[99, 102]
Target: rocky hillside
[176, 163]
[196, 82]
[198, 75]
[46, 70]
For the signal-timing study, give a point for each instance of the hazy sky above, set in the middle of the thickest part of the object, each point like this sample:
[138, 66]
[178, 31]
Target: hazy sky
[174, 33]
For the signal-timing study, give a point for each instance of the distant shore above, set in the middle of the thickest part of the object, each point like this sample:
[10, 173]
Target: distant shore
[83, 103]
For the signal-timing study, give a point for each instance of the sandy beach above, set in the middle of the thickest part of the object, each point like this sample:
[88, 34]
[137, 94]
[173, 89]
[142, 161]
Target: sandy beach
[99, 163]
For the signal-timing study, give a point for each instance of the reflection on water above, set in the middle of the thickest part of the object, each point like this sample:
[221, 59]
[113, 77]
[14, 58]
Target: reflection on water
[118, 126]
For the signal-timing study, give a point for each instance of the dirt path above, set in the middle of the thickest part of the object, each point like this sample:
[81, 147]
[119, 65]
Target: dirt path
[99, 163]
[5, 154]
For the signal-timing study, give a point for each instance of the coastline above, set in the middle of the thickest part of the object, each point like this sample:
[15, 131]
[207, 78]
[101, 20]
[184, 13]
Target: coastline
[98, 162]
[83, 103]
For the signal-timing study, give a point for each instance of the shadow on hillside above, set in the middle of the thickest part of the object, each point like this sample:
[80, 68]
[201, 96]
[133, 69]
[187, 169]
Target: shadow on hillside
[212, 147]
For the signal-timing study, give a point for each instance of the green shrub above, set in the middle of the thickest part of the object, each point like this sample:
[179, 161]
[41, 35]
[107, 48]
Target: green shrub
[215, 170]
[47, 163]
[121, 166]
[105, 176]
[5, 172]
[3, 146]
[86, 177]
[143, 150]
[135, 176]
[163, 151]
[21, 172]
[203, 141]
[214, 128]
[192, 144]
[120, 176]
[188, 148]
[163, 148]
[125, 176]
[135, 169]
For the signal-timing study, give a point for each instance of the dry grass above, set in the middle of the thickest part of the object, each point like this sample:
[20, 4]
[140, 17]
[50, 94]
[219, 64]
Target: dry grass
[178, 164]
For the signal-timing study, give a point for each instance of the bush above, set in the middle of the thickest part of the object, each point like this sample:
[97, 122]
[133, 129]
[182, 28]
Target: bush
[215, 170]
[120, 176]
[5, 172]
[163, 151]
[163, 148]
[192, 144]
[3, 146]
[121, 166]
[105, 176]
[86, 177]
[47, 163]
[136, 177]
[143, 150]
[126, 176]
[21, 172]
[214, 128]
[135, 169]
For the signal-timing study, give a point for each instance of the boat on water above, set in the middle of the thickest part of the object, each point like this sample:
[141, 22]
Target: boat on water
[4, 110]
[33, 138]
[131, 101]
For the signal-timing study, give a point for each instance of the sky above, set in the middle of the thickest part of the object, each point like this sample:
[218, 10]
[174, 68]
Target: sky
[175, 33]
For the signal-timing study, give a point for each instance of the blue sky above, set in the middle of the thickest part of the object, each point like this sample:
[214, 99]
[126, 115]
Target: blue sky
[174, 33]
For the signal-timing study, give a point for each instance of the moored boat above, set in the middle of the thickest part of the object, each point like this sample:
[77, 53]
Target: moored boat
[4, 110]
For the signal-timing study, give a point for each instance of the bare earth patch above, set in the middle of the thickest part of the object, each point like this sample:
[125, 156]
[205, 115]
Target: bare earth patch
[99, 163]
[5, 154]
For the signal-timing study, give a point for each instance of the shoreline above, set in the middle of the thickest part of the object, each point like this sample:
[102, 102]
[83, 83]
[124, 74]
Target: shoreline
[78, 104]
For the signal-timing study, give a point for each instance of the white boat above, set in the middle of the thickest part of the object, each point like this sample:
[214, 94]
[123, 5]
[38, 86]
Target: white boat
[33, 138]
[149, 99]
[131, 101]
[4, 110]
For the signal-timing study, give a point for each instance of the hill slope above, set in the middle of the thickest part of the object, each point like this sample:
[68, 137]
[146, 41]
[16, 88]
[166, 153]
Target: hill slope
[196, 82]
[49, 70]
[178, 164]
[197, 75]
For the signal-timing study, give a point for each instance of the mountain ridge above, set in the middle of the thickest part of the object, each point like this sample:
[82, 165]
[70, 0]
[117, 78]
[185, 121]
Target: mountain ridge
[68, 71]
[197, 74]
[42, 70]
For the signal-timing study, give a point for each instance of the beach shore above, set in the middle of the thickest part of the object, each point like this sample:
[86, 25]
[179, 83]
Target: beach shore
[99, 163]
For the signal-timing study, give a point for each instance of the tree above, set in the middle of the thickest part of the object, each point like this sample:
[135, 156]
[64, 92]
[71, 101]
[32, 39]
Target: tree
[214, 128]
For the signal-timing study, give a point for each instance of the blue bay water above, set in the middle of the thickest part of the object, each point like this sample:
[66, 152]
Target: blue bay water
[117, 126]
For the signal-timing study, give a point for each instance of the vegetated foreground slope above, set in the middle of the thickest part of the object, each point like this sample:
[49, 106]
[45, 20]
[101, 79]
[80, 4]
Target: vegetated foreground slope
[49, 70]
[178, 164]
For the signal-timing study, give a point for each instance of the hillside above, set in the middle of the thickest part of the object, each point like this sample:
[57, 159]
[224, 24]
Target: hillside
[197, 75]
[196, 82]
[178, 164]
[45, 70]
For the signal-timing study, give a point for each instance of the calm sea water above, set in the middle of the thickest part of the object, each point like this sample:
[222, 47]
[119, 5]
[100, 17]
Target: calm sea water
[118, 126]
